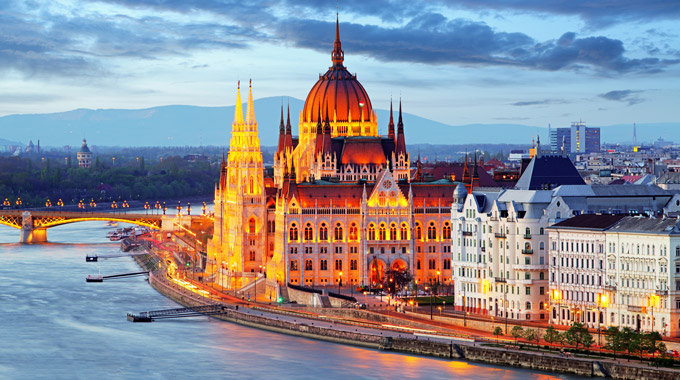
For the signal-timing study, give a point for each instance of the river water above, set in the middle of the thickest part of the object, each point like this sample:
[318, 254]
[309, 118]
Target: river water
[54, 325]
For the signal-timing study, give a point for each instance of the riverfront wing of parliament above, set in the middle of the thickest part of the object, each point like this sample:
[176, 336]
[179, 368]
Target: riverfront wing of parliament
[342, 206]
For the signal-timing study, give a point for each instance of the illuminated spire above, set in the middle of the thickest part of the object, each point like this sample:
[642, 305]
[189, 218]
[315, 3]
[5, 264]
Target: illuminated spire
[390, 130]
[250, 110]
[337, 56]
[238, 113]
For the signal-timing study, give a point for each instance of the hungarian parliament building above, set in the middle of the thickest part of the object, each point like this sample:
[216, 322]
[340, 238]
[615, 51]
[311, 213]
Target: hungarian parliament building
[342, 205]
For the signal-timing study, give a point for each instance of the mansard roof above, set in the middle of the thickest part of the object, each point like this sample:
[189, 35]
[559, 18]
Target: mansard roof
[590, 221]
[547, 172]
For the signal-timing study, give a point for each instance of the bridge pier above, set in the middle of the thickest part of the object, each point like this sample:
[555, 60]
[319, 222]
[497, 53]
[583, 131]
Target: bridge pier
[38, 235]
[29, 234]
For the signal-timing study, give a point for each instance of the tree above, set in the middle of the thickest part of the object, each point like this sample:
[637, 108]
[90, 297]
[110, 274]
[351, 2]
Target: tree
[498, 331]
[651, 343]
[577, 335]
[533, 335]
[552, 335]
[396, 279]
[613, 336]
[517, 332]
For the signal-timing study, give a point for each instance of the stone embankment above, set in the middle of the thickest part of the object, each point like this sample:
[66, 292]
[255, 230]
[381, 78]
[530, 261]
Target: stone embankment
[438, 349]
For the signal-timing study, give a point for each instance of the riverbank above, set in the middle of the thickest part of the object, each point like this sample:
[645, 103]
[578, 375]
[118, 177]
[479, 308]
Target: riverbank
[453, 349]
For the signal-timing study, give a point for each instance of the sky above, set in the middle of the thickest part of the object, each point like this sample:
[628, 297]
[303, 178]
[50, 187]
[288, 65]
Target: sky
[532, 62]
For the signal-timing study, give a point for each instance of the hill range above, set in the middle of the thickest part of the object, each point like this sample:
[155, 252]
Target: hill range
[181, 125]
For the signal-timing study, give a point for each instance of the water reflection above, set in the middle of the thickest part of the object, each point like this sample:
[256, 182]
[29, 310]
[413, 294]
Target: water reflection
[56, 326]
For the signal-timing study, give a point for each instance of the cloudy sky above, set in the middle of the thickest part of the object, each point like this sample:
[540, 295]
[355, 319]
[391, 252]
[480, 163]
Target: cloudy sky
[531, 62]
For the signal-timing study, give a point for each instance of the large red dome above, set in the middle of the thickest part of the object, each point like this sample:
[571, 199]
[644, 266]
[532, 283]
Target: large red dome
[339, 92]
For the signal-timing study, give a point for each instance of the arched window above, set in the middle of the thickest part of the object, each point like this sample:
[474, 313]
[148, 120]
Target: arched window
[353, 231]
[404, 231]
[252, 185]
[308, 264]
[251, 226]
[371, 232]
[527, 232]
[431, 231]
[393, 231]
[293, 233]
[528, 305]
[382, 199]
[381, 232]
[309, 232]
[293, 265]
[541, 245]
[419, 232]
[446, 231]
[323, 232]
[337, 233]
[541, 231]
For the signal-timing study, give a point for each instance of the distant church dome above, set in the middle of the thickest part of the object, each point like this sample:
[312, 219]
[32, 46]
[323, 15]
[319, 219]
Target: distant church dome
[84, 148]
[339, 92]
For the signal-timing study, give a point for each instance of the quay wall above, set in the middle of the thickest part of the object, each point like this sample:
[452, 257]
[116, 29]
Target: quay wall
[473, 353]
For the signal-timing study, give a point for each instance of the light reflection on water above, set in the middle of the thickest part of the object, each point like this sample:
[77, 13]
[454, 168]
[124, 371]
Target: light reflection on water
[53, 325]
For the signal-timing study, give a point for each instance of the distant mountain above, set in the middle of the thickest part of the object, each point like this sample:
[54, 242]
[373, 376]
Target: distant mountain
[180, 125]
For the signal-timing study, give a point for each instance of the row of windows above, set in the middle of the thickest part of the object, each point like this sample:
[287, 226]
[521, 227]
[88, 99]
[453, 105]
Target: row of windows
[383, 232]
[323, 265]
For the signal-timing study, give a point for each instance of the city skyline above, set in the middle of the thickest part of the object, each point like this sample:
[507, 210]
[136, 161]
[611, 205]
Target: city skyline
[473, 62]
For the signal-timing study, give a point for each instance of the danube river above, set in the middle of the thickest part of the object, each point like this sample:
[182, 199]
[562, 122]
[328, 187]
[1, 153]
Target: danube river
[54, 325]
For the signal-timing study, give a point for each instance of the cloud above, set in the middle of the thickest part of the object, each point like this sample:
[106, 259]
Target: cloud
[628, 96]
[433, 39]
[539, 102]
[596, 13]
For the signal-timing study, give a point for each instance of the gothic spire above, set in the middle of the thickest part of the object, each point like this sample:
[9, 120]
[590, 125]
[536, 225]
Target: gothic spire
[250, 110]
[282, 127]
[390, 130]
[337, 56]
[238, 112]
[288, 127]
[400, 140]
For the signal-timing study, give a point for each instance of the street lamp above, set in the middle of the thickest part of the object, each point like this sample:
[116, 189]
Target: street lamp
[203, 208]
[188, 208]
[340, 282]
[157, 206]
[146, 207]
[164, 208]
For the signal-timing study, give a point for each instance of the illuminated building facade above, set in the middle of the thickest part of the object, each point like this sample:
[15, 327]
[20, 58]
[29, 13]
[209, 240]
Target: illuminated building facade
[616, 270]
[341, 205]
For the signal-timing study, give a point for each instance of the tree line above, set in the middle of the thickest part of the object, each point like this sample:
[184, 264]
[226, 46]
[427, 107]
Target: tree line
[32, 181]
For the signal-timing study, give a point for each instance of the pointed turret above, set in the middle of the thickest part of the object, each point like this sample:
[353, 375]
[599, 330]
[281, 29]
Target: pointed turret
[289, 134]
[238, 112]
[319, 134]
[282, 136]
[326, 136]
[419, 170]
[250, 109]
[390, 126]
[466, 171]
[400, 143]
[337, 56]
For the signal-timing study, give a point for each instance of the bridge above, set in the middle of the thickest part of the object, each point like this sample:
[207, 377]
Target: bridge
[33, 224]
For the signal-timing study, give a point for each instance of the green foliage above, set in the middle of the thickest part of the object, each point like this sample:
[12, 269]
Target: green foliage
[578, 335]
[498, 331]
[35, 180]
[532, 335]
[552, 335]
[517, 332]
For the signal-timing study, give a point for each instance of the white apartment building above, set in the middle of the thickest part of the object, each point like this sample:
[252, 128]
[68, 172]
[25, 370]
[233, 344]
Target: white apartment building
[500, 239]
[608, 270]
